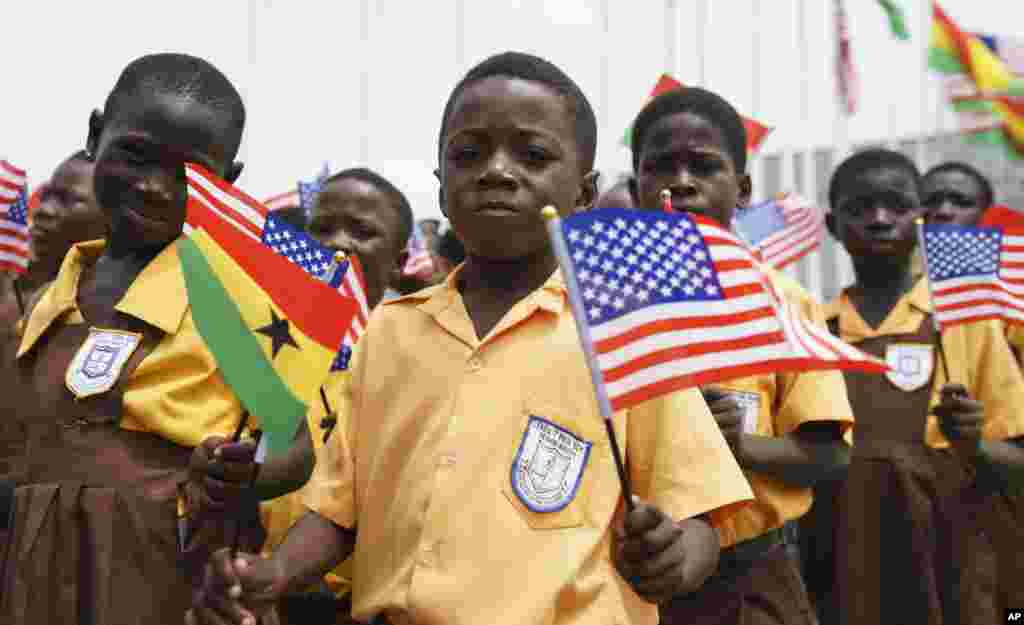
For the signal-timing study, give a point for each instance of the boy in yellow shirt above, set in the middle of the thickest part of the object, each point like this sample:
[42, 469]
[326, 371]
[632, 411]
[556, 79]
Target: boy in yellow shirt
[788, 434]
[473, 481]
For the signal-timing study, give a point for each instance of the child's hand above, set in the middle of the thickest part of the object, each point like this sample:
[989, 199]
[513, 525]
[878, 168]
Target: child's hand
[961, 419]
[727, 412]
[236, 590]
[661, 558]
[219, 474]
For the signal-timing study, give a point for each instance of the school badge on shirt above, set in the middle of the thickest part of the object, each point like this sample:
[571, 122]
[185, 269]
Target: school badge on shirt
[910, 365]
[99, 361]
[549, 466]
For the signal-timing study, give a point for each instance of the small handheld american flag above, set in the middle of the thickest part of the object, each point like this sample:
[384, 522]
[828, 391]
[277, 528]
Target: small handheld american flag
[782, 230]
[420, 262]
[13, 218]
[975, 272]
[671, 301]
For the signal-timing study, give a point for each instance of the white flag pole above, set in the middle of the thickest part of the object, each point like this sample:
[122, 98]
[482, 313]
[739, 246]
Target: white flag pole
[579, 311]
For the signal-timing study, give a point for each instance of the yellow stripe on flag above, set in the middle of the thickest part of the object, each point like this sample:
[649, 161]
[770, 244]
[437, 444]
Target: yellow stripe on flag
[291, 364]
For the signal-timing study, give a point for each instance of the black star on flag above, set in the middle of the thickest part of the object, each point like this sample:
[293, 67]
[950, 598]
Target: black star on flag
[279, 334]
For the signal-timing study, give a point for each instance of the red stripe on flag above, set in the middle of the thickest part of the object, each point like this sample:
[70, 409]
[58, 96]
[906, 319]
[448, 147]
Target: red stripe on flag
[225, 210]
[654, 358]
[675, 324]
[11, 169]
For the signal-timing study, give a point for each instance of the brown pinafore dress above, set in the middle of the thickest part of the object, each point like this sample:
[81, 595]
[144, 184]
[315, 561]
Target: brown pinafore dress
[94, 535]
[909, 541]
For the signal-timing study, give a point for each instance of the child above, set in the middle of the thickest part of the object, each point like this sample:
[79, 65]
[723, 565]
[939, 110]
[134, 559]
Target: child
[918, 533]
[125, 411]
[789, 434]
[956, 193]
[358, 212]
[451, 386]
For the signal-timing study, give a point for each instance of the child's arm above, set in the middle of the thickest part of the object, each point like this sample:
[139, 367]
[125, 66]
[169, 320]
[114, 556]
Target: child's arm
[813, 452]
[242, 590]
[289, 471]
[962, 420]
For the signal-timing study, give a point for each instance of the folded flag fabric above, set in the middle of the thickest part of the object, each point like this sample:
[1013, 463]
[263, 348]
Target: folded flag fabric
[13, 218]
[273, 328]
[420, 262]
[674, 301]
[756, 131]
[782, 230]
[976, 272]
[282, 200]
[1002, 216]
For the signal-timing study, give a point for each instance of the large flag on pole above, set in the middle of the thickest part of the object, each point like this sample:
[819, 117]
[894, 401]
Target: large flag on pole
[272, 327]
[782, 230]
[975, 272]
[671, 301]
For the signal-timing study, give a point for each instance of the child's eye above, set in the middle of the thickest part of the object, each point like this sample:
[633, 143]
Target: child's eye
[537, 154]
[704, 166]
[463, 153]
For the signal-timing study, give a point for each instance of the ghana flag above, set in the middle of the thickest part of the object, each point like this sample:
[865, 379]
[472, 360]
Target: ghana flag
[273, 329]
[997, 93]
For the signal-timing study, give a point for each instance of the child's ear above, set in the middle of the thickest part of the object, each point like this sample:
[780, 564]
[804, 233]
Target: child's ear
[234, 170]
[830, 224]
[746, 190]
[92, 140]
[588, 192]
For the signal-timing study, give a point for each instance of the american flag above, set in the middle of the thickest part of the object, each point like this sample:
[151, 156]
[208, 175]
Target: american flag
[975, 272]
[674, 301]
[782, 230]
[13, 218]
[253, 219]
[282, 200]
[309, 190]
[846, 75]
[420, 262]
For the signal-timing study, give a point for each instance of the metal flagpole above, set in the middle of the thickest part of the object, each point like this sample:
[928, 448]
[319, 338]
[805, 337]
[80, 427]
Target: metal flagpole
[554, 227]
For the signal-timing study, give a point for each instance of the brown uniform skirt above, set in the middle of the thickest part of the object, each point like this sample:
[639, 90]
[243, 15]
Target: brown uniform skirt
[94, 534]
[911, 535]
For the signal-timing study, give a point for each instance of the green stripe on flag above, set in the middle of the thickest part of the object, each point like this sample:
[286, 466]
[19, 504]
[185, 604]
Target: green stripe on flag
[238, 353]
[944, 62]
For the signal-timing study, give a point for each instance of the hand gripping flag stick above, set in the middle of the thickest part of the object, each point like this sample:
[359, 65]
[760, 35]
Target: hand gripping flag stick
[554, 227]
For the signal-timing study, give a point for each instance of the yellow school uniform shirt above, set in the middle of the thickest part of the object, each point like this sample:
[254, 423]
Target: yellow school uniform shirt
[978, 354]
[279, 515]
[177, 391]
[423, 468]
[778, 404]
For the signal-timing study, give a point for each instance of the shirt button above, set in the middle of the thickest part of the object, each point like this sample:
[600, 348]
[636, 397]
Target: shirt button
[475, 364]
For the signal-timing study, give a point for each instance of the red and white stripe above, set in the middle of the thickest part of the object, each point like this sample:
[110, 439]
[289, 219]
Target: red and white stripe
[282, 200]
[227, 202]
[420, 262]
[991, 296]
[802, 234]
[659, 349]
[846, 75]
[12, 181]
[14, 249]
[353, 285]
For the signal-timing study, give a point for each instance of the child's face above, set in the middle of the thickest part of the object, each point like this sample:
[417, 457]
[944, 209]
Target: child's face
[510, 150]
[66, 214]
[687, 154]
[875, 213]
[356, 217]
[952, 197]
[139, 176]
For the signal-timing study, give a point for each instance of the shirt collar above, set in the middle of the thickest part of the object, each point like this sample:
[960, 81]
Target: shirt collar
[157, 296]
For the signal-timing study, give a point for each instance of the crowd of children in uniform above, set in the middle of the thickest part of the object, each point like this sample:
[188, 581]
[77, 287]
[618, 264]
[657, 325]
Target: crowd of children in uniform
[397, 507]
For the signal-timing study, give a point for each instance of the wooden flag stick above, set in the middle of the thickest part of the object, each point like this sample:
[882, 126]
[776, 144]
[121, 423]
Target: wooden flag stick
[239, 514]
[554, 227]
[18, 296]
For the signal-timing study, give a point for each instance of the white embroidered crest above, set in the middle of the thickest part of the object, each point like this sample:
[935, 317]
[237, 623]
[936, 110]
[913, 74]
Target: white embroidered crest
[750, 403]
[910, 365]
[549, 466]
[98, 362]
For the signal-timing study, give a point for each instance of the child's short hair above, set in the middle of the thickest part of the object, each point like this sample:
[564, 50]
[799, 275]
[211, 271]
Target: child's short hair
[872, 158]
[987, 192]
[405, 219]
[703, 103]
[534, 69]
[185, 76]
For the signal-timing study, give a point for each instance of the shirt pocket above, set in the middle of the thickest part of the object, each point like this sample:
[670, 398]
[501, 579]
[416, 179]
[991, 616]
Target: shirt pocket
[550, 469]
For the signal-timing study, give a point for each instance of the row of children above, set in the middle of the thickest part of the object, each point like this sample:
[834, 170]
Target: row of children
[410, 514]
